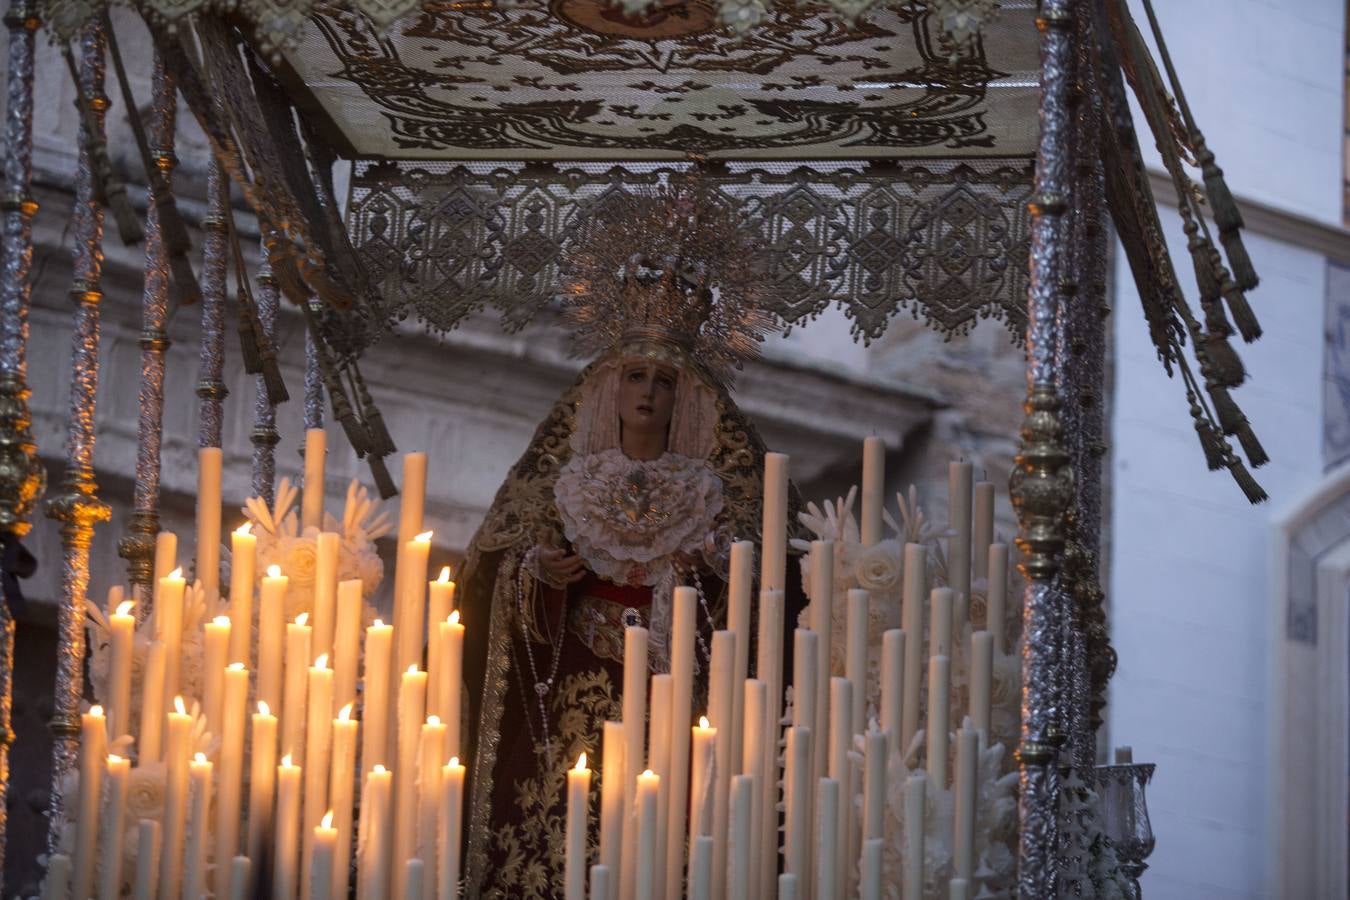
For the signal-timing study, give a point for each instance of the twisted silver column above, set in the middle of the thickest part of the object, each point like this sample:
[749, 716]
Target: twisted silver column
[264, 436]
[138, 546]
[1042, 482]
[22, 477]
[313, 384]
[78, 508]
[215, 269]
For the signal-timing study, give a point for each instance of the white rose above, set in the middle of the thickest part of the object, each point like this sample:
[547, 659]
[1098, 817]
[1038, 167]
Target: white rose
[300, 561]
[878, 567]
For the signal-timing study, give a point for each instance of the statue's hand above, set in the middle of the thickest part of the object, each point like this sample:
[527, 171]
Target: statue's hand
[559, 568]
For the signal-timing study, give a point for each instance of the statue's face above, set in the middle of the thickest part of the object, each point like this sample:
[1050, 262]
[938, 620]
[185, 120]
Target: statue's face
[647, 396]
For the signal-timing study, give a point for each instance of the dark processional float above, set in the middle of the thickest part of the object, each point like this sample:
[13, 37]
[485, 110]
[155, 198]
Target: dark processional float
[660, 671]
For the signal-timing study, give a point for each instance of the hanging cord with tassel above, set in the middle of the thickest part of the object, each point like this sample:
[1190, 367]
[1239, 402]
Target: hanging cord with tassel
[1226, 213]
[343, 411]
[258, 350]
[109, 190]
[177, 244]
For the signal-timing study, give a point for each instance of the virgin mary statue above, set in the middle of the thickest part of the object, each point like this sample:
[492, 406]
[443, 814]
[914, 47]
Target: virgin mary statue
[636, 482]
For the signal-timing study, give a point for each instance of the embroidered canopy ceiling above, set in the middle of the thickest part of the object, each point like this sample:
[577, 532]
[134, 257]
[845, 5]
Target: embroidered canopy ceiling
[582, 79]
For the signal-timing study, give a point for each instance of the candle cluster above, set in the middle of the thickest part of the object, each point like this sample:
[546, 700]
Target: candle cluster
[297, 739]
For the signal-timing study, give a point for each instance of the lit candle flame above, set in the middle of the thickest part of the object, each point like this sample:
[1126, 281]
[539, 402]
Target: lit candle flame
[321, 662]
[648, 773]
[96, 710]
[302, 619]
[412, 670]
[177, 573]
[236, 666]
[286, 761]
[453, 618]
[379, 767]
[178, 705]
[445, 575]
[378, 623]
[433, 720]
[221, 621]
[246, 528]
[199, 757]
[113, 758]
[345, 714]
[454, 761]
[124, 608]
[581, 762]
[263, 708]
[327, 820]
[703, 722]
[424, 537]
[274, 571]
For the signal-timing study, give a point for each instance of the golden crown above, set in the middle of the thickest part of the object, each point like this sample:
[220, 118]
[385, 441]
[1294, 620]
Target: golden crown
[672, 266]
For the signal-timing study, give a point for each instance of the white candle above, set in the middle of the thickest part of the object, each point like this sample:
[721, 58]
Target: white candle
[967, 762]
[110, 842]
[797, 807]
[341, 780]
[231, 771]
[635, 726]
[324, 841]
[601, 886]
[194, 863]
[147, 860]
[981, 680]
[409, 631]
[721, 690]
[311, 501]
[285, 861]
[413, 879]
[874, 785]
[169, 627]
[56, 884]
[770, 671]
[450, 635]
[318, 746]
[121, 639]
[166, 556]
[805, 657]
[93, 761]
[574, 846]
[700, 868]
[296, 693]
[855, 656]
[448, 827]
[684, 621]
[272, 629]
[892, 686]
[440, 600]
[241, 876]
[429, 756]
[939, 686]
[658, 761]
[754, 763]
[613, 777]
[740, 852]
[916, 798]
[208, 519]
[703, 765]
[151, 741]
[261, 784]
[773, 542]
[983, 527]
[375, 696]
[873, 489]
[243, 559]
[841, 740]
[412, 496]
[412, 698]
[176, 750]
[648, 786]
[959, 475]
[827, 840]
[347, 643]
[958, 889]
[871, 868]
[738, 622]
[787, 886]
[822, 585]
[215, 648]
[326, 548]
[915, 596]
[940, 631]
[376, 844]
[996, 616]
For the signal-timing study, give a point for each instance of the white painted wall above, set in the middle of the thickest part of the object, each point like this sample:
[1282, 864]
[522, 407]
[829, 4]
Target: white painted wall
[1191, 586]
